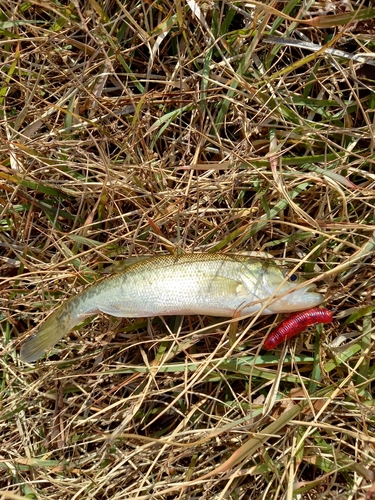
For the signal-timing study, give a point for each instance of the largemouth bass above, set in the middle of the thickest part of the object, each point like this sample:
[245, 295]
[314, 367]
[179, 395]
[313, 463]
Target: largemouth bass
[215, 285]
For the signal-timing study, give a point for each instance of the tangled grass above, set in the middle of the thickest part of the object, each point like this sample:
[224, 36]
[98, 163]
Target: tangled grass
[137, 128]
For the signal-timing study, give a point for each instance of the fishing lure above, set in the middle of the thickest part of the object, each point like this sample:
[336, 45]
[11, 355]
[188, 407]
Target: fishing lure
[295, 324]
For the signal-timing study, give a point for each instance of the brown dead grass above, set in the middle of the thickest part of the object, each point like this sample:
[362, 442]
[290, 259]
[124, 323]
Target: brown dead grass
[132, 128]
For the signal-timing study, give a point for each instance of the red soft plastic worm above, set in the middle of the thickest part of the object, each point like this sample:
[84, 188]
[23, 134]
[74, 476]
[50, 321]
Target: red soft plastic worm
[295, 324]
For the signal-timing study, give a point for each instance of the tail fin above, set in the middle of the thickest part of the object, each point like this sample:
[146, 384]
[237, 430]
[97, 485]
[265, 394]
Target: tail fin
[55, 328]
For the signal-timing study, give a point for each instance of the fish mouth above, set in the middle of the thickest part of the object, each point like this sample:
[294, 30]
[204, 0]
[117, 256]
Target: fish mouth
[301, 299]
[311, 291]
[311, 297]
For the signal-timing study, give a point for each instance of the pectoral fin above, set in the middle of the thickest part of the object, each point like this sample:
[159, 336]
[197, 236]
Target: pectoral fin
[224, 285]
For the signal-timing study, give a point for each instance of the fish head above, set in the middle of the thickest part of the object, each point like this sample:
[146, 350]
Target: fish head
[281, 290]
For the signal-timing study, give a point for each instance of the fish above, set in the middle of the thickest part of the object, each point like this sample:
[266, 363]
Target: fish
[295, 324]
[208, 284]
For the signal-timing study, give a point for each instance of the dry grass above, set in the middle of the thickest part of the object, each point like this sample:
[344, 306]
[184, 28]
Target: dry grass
[133, 128]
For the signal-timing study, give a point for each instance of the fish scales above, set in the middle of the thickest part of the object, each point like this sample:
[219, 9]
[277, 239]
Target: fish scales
[176, 285]
[211, 284]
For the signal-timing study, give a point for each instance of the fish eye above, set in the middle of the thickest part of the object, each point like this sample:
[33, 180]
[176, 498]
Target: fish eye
[293, 278]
